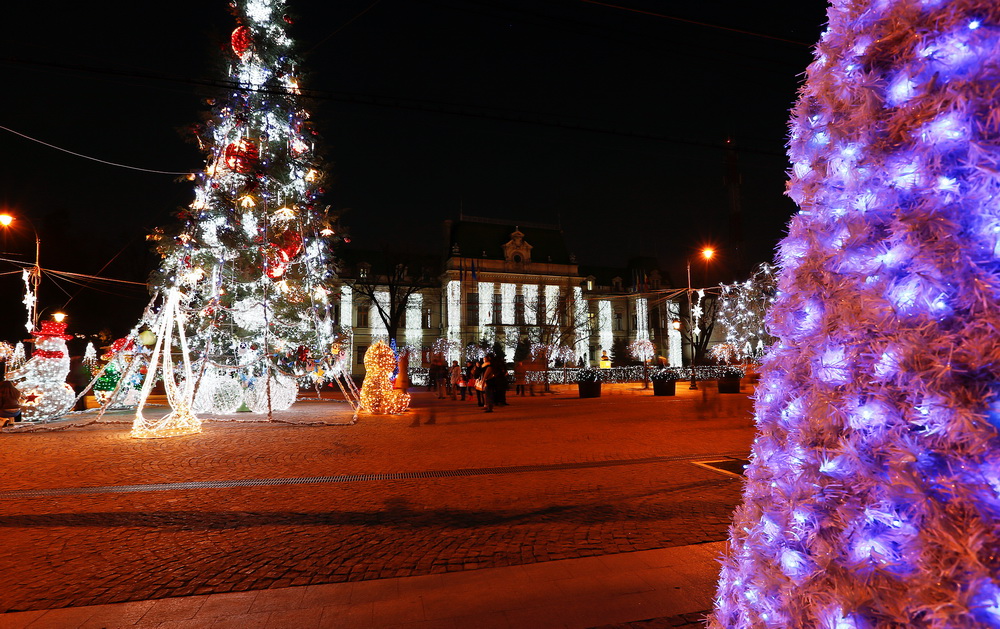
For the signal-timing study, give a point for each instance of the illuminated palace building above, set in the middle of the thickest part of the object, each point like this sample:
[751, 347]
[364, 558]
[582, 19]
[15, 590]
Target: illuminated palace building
[507, 284]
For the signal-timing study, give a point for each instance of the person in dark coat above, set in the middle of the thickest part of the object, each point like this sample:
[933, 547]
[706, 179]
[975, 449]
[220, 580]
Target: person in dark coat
[501, 385]
[490, 379]
[10, 403]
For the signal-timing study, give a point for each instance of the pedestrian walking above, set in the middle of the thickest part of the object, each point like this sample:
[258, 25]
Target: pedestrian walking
[477, 377]
[500, 384]
[520, 377]
[470, 381]
[439, 376]
[489, 379]
[455, 377]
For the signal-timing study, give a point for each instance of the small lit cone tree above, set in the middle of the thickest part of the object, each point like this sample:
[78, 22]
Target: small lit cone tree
[252, 252]
[873, 493]
[42, 379]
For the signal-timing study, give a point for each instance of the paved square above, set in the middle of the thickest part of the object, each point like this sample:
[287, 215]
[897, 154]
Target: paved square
[91, 516]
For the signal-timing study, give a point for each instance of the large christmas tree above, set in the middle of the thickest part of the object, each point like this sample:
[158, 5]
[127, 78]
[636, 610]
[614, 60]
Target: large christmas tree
[873, 494]
[252, 252]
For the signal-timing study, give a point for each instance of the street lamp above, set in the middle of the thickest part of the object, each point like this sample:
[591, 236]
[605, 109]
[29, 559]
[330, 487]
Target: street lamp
[6, 220]
[707, 254]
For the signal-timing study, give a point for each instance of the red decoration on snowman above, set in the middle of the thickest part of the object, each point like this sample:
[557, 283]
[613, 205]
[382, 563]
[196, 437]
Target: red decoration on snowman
[241, 41]
[242, 156]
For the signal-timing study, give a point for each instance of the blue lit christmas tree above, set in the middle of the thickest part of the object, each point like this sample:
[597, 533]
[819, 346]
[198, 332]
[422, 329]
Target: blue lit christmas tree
[252, 252]
[873, 494]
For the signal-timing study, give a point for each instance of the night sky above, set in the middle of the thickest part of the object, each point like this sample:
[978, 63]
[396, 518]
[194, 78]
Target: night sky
[609, 122]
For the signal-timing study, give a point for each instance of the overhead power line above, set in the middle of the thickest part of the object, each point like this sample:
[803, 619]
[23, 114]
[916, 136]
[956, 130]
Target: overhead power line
[469, 111]
[695, 22]
[95, 159]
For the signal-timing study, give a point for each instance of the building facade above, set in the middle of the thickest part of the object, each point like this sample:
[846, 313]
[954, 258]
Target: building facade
[504, 284]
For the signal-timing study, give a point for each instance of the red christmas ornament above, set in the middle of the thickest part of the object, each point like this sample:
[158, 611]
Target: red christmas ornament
[303, 353]
[241, 40]
[290, 243]
[242, 156]
[275, 262]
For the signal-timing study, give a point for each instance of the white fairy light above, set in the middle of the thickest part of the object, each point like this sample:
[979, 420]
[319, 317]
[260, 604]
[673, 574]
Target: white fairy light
[414, 320]
[486, 330]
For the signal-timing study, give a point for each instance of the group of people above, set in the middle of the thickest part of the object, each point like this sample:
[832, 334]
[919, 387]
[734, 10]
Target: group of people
[487, 377]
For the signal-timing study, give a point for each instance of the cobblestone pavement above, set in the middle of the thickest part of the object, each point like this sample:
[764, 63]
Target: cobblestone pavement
[590, 477]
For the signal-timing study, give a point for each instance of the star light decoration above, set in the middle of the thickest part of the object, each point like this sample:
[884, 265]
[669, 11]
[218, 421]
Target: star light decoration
[377, 395]
[873, 492]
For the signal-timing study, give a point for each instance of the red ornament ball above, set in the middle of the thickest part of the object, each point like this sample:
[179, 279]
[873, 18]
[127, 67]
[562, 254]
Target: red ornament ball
[241, 40]
[242, 156]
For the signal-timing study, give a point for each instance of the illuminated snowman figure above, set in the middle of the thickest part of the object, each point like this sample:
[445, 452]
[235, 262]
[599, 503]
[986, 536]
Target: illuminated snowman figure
[42, 380]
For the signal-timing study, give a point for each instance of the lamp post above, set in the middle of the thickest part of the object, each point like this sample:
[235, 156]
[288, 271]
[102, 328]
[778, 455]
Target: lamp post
[706, 254]
[6, 220]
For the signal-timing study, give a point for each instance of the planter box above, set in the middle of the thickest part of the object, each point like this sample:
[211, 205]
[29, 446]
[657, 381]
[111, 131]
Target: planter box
[589, 389]
[729, 385]
[664, 387]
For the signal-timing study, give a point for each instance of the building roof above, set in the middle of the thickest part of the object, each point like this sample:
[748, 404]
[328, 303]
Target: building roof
[480, 237]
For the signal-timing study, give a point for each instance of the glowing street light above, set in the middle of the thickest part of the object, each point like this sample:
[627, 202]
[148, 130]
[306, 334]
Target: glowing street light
[59, 317]
[707, 254]
[6, 220]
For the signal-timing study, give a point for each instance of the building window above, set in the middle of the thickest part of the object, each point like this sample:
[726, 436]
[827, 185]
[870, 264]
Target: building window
[519, 309]
[363, 316]
[361, 354]
[472, 307]
[618, 321]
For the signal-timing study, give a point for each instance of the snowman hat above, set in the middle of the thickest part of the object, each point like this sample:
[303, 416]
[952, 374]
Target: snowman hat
[53, 328]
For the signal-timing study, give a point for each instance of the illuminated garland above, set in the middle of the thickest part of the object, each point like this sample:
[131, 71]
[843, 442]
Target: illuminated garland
[454, 305]
[635, 374]
[486, 330]
[674, 340]
[604, 334]
[580, 324]
[415, 320]
[872, 498]
[346, 318]
[742, 313]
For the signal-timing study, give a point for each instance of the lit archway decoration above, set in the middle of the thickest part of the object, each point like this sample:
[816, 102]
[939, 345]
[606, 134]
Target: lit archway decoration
[181, 420]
